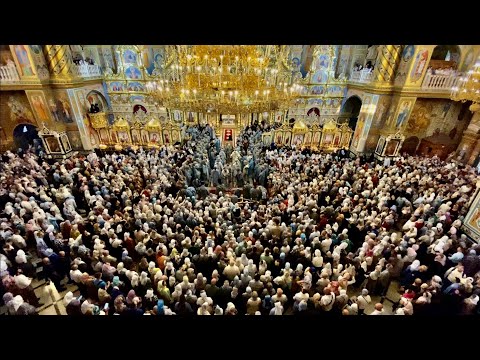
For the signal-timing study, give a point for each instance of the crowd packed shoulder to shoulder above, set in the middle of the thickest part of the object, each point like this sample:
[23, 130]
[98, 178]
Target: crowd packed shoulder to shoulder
[201, 229]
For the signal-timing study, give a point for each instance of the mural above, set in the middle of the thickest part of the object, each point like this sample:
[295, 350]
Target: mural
[133, 73]
[428, 115]
[23, 61]
[39, 105]
[403, 112]
[60, 108]
[37, 49]
[19, 112]
[419, 65]
[408, 53]
[358, 130]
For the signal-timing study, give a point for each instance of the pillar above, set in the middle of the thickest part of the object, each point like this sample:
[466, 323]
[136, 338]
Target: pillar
[59, 62]
[388, 59]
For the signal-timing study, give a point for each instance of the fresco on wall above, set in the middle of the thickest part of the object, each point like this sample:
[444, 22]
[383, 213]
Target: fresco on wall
[37, 49]
[39, 105]
[358, 130]
[403, 112]
[408, 53]
[19, 112]
[60, 108]
[133, 73]
[430, 115]
[420, 118]
[419, 65]
[23, 60]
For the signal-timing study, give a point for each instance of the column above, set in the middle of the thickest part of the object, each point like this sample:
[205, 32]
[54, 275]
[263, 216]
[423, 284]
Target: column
[469, 147]
[387, 62]
[59, 62]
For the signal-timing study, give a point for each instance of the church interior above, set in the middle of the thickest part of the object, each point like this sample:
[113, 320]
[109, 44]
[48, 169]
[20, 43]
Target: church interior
[239, 179]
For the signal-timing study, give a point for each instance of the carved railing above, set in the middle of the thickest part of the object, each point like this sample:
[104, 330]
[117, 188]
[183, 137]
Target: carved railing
[440, 82]
[8, 73]
[88, 71]
[363, 76]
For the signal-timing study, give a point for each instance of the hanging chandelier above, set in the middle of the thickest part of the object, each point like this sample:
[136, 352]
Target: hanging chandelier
[468, 88]
[226, 79]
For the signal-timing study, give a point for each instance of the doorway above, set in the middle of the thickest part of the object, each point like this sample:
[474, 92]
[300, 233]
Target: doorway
[26, 135]
[350, 110]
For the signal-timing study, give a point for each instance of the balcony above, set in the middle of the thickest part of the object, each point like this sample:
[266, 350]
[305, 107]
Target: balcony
[362, 76]
[88, 71]
[440, 82]
[8, 74]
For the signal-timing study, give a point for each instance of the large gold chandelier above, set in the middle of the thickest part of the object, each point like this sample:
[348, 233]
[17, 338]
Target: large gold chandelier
[226, 79]
[468, 88]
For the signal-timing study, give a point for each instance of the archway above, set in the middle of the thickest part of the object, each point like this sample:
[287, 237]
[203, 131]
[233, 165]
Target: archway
[350, 111]
[25, 135]
[95, 97]
[410, 145]
[445, 57]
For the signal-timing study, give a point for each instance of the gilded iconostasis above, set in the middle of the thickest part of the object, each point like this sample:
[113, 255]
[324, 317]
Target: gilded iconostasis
[337, 95]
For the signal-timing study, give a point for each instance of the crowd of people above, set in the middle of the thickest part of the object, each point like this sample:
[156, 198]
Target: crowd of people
[198, 229]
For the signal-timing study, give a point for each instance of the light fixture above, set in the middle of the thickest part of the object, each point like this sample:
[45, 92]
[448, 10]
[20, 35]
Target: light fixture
[468, 87]
[226, 79]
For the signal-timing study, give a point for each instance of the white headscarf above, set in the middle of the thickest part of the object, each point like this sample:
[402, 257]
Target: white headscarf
[415, 265]
[278, 308]
[21, 258]
[68, 298]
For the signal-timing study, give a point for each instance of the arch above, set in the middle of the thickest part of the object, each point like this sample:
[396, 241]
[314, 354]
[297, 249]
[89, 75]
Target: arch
[314, 110]
[24, 135]
[410, 145]
[445, 56]
[138, 107]
[351, 109]
[96, 97]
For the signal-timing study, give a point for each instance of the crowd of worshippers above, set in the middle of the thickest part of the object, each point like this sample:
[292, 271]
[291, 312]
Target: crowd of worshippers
[281, 231]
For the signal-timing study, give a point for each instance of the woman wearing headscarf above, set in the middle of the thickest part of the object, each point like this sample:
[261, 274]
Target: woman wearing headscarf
[72, 304]
[230, 310]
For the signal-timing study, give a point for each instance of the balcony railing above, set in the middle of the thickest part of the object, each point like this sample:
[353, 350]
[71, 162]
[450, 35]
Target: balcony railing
[440, 82]
[8, 73]
[363, 76]
[88, 71]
